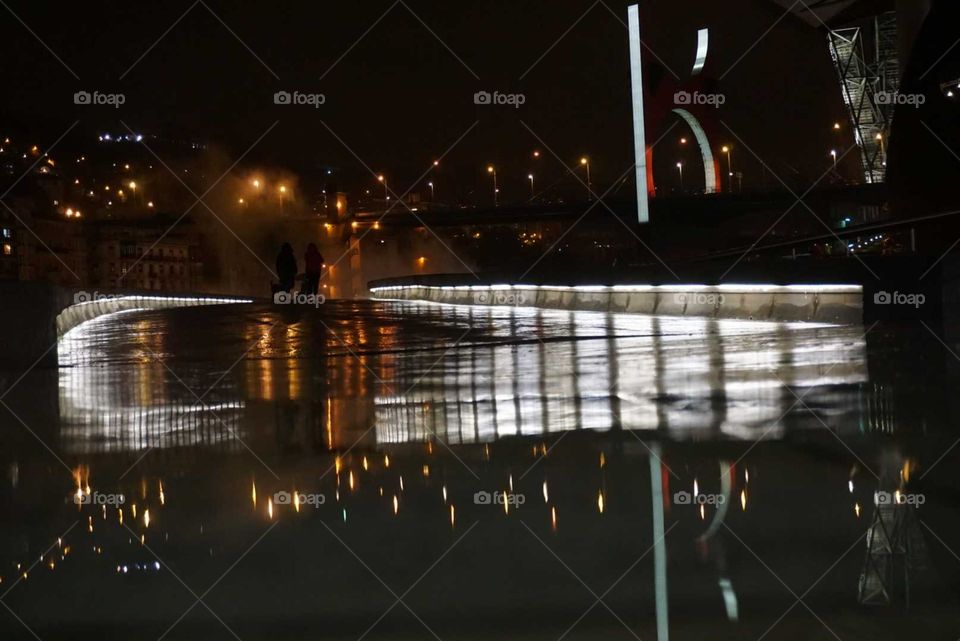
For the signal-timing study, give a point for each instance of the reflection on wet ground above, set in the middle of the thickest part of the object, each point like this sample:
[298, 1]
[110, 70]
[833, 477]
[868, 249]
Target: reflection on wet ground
[460, 374]
[401, 470]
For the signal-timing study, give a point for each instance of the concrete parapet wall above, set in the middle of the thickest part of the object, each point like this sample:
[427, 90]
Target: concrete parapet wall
[814, 303]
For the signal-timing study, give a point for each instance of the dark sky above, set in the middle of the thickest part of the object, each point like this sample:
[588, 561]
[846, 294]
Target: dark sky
[399, 98]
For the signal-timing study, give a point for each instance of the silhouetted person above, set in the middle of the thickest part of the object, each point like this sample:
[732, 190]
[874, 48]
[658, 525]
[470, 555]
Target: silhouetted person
[286, 268]
[313, 266]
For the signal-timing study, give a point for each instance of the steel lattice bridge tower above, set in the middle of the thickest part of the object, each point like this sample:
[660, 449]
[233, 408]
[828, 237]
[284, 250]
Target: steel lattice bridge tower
[868, 65]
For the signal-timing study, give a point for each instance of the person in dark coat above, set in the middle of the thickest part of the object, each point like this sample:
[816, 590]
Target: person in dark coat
[313, 266]
[286, 267]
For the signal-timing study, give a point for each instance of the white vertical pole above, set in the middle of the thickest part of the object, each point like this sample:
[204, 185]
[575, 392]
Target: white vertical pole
[639, 132]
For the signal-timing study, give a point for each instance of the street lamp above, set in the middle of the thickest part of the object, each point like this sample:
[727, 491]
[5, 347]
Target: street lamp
[586, 163]
[833, 152]
[836, 126]
[282, 190]
[883, 149]
[532, 192]
[133, 187]
[536, 154]
[680, 168]
[386, 190]
[726, 149]
[432, 193]
[493, 172]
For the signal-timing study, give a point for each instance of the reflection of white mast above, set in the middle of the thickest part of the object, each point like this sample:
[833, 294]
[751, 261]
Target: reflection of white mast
[659, 546]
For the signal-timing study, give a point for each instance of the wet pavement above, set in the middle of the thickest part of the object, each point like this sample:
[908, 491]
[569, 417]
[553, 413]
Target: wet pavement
[398, 470]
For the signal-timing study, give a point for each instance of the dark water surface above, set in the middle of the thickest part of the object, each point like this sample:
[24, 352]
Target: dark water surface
[300, 473]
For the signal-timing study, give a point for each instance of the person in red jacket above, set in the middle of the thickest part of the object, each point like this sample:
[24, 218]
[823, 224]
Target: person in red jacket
[313, 266]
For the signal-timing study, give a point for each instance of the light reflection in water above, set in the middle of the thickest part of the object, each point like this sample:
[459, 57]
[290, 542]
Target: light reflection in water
[474, 375]
[684, 376]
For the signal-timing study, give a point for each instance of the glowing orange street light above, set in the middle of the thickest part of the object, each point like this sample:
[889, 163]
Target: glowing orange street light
[726, 149]
[586, 163]
[386, 190]
[493, 172]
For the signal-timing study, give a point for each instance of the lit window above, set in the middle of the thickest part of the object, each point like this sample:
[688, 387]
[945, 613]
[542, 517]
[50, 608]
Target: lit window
[7, 249]
[7, 233]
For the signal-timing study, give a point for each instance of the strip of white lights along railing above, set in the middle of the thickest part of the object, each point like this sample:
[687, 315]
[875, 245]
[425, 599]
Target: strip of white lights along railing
[726, 288]
[118, 304]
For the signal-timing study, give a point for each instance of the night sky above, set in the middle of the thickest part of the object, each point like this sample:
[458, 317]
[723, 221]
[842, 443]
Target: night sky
[399, 98]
